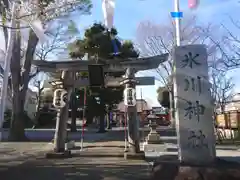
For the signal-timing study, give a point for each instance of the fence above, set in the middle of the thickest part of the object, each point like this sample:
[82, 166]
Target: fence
[229, 124]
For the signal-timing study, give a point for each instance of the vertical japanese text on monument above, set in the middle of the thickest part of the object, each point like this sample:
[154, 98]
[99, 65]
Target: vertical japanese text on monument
[195, 133]
[190, 60]
[194, 84]
[190, 83]
[194, 109]
[197, 139]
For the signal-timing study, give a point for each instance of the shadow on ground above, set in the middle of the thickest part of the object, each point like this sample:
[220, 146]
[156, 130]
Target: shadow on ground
[71, 169]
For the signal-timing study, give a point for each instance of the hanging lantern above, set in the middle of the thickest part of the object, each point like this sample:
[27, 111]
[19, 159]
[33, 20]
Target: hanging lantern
[193, 4]
[108, 7]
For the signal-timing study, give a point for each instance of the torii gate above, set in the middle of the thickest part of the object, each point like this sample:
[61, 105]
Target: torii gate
[131, 66]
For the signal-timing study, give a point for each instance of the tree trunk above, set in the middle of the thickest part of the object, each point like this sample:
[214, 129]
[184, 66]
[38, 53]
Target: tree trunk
[74, 113]
[108, 121]
[89, 115]
[17, 132]
[20, 80]
[89, 120]
[39, 100]
[102, 124]
[222, 107]
[17, 122]
[102, 113]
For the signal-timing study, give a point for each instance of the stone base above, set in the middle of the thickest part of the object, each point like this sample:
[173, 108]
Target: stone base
[159, 147]
[69, 145]
[58, 155]
[154, 142]
[169, 168]
[135, 156]
[154, 139]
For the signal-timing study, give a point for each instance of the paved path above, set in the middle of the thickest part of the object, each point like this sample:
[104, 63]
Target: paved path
[25, 161]
[77, 168]
[16, 152]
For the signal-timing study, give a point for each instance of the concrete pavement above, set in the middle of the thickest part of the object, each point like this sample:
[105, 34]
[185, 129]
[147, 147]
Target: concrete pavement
[16, 158]
[25, 161]
[77, 168]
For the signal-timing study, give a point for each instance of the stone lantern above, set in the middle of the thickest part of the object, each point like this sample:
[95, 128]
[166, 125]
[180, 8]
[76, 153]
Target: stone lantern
[153, 136]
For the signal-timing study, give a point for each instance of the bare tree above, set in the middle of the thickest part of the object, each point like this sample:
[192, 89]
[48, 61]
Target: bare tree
[47, 11]
[231, 50]
[37, 83]
[154, 39]
[60, 32]
[222, 89]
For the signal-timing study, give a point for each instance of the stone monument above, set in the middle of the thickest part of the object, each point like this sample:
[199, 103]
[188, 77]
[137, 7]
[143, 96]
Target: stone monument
[193, 108]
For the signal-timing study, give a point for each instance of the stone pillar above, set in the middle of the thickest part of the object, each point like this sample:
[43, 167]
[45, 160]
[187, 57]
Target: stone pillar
[60, 136]
[193, 105]
[58, 145]
[133, 123]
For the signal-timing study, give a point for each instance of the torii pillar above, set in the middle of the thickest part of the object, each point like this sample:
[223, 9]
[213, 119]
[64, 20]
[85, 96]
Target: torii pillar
[133, 122]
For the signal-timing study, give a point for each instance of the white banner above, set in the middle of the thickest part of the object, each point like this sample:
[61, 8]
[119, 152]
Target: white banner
[108, 7]
[37, 27]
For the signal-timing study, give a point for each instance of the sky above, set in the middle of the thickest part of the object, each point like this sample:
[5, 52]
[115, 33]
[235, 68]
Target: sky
[128, 14]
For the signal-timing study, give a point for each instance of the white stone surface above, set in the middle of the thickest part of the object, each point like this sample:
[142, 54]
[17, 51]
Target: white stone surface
[194, 118]
[69, 145]
[153, 137]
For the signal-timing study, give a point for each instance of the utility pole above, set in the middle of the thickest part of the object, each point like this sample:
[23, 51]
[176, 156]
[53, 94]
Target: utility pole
[177, 23]
[177, 15]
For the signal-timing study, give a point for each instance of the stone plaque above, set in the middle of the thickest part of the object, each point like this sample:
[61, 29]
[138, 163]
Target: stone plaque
[194, 110]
